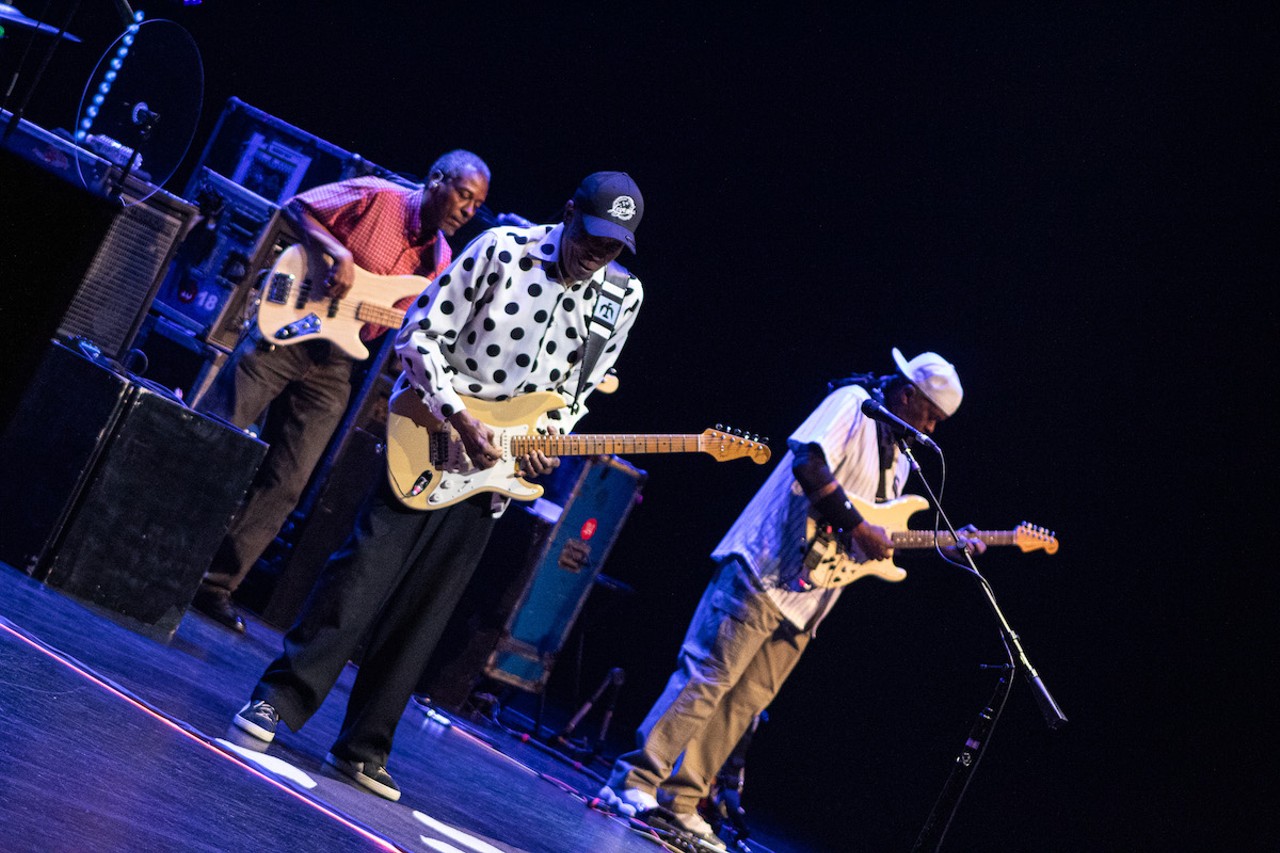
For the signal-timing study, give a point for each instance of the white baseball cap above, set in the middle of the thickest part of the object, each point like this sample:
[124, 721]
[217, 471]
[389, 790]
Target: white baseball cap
[935, 377]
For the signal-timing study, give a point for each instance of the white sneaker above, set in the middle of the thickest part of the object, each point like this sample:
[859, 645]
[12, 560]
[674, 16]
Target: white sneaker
[628, 802]
[693, 824]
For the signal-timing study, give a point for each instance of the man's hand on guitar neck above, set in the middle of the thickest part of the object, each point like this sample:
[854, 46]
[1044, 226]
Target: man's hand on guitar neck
[537, 463]
[967, 539]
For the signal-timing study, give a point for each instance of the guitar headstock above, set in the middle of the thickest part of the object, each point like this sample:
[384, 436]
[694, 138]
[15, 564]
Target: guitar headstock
[724, 444]
[1031, 538]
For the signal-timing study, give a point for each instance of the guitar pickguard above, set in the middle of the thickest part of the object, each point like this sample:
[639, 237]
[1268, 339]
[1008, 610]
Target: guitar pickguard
[458, 478]
[308, 325]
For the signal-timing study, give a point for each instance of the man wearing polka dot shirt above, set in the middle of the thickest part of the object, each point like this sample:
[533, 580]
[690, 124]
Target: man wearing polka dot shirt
[383, 228]
[510, 316]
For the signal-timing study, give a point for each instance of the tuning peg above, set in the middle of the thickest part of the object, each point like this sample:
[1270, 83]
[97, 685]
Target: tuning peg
[720, 427]
[737, 432]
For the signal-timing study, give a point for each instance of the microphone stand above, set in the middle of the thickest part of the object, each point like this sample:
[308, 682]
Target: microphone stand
[16, 117]
[935, 827]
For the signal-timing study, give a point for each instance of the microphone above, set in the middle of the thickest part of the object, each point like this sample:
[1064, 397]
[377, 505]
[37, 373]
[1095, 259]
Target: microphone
[877, 412]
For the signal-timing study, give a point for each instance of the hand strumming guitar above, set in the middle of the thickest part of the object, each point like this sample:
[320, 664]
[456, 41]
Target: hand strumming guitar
[477, 439]
[342, 275]
[871, 539]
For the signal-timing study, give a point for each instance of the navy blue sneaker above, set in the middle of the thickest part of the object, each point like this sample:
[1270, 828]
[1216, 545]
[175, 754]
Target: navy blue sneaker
[258, 719]
[371, 777]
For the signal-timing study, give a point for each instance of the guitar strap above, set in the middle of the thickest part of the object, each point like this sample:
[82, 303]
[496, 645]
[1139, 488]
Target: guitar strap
[884, 441]
[607, 312]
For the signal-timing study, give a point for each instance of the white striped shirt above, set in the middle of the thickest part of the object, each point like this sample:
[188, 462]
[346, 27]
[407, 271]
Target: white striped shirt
[769, 535]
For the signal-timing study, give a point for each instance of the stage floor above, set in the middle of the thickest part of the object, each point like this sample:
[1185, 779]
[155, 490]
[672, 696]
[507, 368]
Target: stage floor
[113, 741]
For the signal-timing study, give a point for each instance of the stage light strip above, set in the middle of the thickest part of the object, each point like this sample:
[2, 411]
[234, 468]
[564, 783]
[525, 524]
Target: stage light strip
[75, 666]
[113, 70]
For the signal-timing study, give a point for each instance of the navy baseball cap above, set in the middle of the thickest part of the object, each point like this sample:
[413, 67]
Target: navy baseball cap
[611, 206]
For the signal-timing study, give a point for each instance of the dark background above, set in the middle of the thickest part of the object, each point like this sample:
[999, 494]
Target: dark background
[1075, 204]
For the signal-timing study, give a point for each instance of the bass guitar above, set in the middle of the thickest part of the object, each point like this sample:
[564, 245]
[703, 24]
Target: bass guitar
[828, 564]
[428, 467]
[293, 306]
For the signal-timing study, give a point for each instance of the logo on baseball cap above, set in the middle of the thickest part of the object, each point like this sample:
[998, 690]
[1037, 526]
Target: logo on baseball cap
[611, 206]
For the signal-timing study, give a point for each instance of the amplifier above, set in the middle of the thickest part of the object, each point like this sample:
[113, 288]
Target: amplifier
[116, 493]
[40, 268]
[112, 301]
[129, 262]
[204, 288]
[275, 159]
[241, 308]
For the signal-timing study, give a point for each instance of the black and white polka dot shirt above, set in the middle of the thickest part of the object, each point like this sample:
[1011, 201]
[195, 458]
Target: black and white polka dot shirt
[497, 323]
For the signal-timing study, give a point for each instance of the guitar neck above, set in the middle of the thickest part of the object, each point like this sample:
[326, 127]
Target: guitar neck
[926, 539]
[379, 315]
[604, 445]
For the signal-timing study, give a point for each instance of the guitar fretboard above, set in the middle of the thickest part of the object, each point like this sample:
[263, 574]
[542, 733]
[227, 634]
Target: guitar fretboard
[367, 312]
[593, 445]
[925, 538]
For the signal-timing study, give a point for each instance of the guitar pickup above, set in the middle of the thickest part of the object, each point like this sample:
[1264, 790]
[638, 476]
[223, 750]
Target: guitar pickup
[279, 287]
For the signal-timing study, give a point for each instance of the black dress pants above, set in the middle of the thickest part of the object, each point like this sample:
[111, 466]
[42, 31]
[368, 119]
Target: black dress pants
[393, 586]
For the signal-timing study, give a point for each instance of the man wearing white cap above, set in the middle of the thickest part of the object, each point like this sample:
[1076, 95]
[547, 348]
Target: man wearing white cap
[759, 613]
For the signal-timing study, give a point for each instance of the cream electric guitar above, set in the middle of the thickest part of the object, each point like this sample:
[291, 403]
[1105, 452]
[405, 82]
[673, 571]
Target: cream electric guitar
[293, 307]
[827, 564]
[428, 467]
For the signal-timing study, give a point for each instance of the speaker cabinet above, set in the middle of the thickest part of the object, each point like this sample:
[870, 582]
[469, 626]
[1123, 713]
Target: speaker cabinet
[134, 492]
[129, 259]
[50, 448]
[50, 229]
[512, 624]
[127, 269]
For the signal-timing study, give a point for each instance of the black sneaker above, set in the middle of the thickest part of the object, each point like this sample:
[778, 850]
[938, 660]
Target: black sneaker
[371, 777]
[218, 607]
[258, 719]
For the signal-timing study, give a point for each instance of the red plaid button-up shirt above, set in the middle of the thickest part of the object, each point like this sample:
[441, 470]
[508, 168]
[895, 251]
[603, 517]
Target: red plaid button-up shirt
[380, 222]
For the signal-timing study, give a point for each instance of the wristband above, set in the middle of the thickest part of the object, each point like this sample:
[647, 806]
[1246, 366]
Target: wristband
[836, 509]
